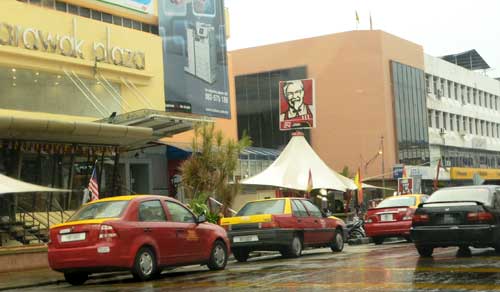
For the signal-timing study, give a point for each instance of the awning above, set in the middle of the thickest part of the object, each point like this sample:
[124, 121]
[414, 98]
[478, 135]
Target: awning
[163, 124]
[50, 130]
[181, 150]
[10, 185]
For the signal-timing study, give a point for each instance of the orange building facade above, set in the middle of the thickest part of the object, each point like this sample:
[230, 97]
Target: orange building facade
[354, 93]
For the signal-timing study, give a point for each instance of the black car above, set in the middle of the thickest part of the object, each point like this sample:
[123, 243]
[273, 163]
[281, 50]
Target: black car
[458, 216]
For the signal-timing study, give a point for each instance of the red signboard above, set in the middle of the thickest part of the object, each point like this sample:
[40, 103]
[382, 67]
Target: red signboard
[297, 106]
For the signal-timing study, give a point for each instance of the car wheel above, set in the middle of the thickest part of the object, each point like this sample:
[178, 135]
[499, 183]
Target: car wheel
[218, 256]
[378, 240]
[425, 251]
[241, 255]
[76, 278]
[294, 250]
[338, 241]
[145, 264]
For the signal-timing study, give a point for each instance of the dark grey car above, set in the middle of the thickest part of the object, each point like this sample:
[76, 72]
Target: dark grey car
[458, 216]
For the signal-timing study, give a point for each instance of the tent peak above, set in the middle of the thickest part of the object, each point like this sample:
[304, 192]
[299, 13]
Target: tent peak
[298, 133]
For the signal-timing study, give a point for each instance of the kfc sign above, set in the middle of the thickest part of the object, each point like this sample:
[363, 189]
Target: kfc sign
[297, 106]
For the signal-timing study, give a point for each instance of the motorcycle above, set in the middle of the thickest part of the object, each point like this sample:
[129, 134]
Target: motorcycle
[355, 228]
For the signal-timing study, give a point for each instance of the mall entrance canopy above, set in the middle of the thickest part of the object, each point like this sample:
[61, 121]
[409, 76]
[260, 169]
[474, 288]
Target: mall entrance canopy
[291, 170]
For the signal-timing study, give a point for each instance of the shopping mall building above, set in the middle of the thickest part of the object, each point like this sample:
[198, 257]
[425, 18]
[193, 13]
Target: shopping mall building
[82, 81]
[381, 103]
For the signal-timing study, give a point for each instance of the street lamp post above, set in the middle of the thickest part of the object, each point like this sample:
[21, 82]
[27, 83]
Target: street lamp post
[383, 168]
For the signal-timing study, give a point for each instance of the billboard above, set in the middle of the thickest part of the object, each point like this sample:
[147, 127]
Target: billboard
[144, 6]
[405, 186]
[194, 56]
[297, 106]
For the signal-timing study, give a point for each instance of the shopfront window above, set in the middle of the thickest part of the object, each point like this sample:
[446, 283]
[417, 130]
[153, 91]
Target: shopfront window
[29, 90]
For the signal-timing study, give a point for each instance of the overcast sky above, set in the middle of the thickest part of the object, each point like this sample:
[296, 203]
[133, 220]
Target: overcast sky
[441, 26]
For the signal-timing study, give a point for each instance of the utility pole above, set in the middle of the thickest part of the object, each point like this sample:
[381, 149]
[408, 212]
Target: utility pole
[383, 168]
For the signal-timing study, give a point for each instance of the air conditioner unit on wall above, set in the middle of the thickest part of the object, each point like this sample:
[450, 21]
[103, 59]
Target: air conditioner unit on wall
[442, 131]
[439, 93]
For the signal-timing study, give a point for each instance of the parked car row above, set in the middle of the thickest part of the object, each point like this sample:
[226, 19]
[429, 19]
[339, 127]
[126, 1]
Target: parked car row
[146, 233]
[463, 217]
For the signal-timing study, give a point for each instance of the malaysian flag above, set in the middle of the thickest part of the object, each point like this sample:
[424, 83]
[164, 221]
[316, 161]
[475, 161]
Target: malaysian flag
[94, 186]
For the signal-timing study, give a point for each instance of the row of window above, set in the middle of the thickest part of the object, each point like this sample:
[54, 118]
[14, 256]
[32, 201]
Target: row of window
[459, 157]
[94, 14]
[441, 87]
[463, 124]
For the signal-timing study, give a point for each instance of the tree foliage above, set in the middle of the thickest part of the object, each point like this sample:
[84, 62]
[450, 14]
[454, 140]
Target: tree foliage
[209, 170]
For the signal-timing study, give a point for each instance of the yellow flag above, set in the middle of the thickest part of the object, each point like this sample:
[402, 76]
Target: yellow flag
[357, 16]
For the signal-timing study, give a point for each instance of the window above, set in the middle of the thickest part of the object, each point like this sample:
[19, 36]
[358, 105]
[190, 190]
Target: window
[61, 6]
[437, 124]
[106, 17]
[97, 15]
[399, 201]
[73, 9]
[298, 209]
[136, 25]
[85, 12]
[452, 122]
[262, 207]
[151, 211]
[117, 20]
[313, 210]
[446, 121]
[429, 118]
[180, 213]
[470, 125]
[127, 22]
[109, 209]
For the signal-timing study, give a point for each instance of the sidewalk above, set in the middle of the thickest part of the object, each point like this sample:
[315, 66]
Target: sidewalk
[30, 278]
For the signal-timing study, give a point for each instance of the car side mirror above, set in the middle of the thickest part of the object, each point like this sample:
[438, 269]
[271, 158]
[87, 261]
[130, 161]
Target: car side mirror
[201, 218]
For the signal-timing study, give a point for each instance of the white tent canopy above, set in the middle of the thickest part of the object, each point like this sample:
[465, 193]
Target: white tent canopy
[291, 170]
[10, 185]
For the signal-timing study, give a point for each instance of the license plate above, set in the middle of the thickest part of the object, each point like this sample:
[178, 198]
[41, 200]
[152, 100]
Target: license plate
[246, 238]
[448, 219]
[73, 237]
[386, 217]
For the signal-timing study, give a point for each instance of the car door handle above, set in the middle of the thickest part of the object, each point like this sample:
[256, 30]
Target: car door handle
[147, 229]
[299, 221]
[316, 221]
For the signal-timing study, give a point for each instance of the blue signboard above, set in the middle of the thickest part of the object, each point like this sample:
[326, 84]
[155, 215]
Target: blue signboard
[397, 171]
[194, 56]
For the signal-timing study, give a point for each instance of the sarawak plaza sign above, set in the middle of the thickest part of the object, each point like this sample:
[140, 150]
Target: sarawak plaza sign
[70, 45]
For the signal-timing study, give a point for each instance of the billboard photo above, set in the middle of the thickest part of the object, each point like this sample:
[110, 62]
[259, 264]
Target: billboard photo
[144, 6]
[194, 56]
[297, 106]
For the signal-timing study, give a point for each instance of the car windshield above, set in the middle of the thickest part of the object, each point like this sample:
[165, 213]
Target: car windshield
[109, 209]
[396, 202]
[470, 194]
[262, 207]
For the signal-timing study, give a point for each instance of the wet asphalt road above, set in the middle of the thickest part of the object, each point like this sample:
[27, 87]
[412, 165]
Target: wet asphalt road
[388, 267]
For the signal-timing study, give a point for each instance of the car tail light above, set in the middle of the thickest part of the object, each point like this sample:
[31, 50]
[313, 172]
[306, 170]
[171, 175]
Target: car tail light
[479, 216]
[107, 231]
[409, 214]
[270, 224]
[420, 218]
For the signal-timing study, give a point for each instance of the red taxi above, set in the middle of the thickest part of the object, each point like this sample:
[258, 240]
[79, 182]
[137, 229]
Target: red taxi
[141, 233]
[287, 225]
[392, 217]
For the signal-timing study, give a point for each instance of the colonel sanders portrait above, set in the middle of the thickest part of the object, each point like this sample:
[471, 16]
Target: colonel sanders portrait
[297, 113]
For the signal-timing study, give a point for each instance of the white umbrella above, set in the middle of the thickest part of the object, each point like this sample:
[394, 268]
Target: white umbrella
[10, 185]
[291, 170]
